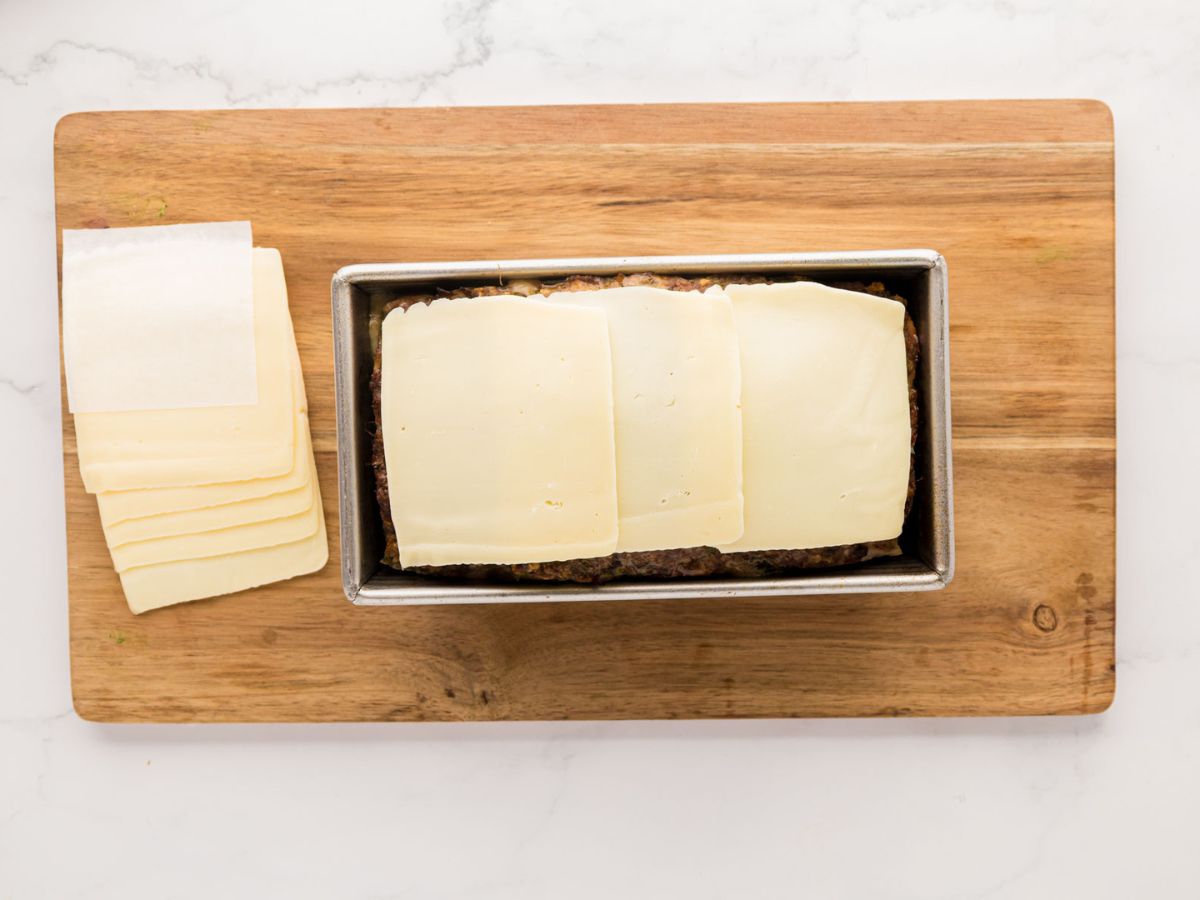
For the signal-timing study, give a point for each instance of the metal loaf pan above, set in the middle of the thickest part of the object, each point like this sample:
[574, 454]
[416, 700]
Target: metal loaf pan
[928, 539]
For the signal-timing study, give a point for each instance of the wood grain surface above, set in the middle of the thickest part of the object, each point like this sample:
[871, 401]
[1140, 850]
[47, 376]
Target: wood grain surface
[1017, 195]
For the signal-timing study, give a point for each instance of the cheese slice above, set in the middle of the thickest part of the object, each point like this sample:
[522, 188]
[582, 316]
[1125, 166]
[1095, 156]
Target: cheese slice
[825, 416]
[498, 431]
[221, 541]
[214, 518]
[121, 506]
[177, 447]
[117, 507]
[676, 393]
[152, 587]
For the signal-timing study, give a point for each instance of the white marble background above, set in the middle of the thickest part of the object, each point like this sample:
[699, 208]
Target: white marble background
[1098, 807]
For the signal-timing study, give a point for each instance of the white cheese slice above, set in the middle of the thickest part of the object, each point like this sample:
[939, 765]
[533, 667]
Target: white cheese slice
[214, 518]
[286, 504]
[117, 507]
[825, 416]
[177, 447]
[222, 541]
[158, 317]
[121, 506]
[152, 587]
[498, 431]
[676, 392]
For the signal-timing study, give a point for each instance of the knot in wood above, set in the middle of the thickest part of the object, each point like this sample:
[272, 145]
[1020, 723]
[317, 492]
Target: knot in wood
[1045, 618]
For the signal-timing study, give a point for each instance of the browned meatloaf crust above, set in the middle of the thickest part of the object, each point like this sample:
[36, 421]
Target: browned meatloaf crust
[692, 561]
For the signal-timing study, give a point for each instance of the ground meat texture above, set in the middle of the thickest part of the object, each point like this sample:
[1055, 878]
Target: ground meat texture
[683, 563]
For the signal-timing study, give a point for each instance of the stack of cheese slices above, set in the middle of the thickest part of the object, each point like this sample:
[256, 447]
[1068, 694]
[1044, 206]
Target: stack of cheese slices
[197, 498]
[750, 417]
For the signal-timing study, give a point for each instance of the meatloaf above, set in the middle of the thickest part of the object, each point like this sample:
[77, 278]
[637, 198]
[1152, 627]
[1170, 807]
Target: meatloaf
[687, 562]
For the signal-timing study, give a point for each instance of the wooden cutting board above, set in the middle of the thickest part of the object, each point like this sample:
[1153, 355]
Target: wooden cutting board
[1017, 195]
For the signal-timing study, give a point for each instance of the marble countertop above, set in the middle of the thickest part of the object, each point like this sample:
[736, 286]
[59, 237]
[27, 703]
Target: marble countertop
[1101, 806]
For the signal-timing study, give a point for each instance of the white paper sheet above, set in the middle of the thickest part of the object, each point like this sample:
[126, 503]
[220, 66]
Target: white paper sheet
[159, 317]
